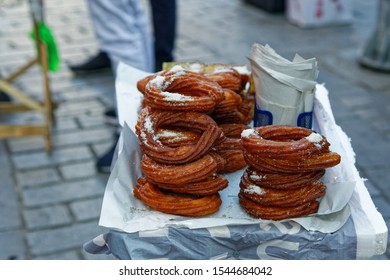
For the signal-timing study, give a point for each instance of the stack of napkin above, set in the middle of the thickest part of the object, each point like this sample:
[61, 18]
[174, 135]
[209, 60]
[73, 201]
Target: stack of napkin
[284, 89]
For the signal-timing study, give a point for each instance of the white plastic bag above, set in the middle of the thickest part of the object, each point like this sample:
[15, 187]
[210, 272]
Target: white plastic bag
[314, 13]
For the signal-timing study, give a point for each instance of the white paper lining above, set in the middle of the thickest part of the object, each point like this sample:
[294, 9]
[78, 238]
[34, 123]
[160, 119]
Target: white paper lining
[121, 211]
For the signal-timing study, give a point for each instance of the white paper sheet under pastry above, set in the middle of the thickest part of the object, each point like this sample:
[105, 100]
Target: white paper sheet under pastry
[122, 212]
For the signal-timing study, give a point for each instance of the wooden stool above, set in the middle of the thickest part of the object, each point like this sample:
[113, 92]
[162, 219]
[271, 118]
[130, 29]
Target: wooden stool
[27, 103]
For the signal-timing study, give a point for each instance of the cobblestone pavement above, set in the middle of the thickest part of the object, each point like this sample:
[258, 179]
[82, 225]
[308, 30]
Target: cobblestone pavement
[50, 205]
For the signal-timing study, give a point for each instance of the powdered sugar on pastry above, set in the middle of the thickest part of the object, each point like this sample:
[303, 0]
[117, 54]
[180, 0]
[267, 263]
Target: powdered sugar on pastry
[316, 139]
[253, 189]
[248, 132]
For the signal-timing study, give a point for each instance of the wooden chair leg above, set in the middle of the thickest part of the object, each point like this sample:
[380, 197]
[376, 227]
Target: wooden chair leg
[27, 103]
[48, 103]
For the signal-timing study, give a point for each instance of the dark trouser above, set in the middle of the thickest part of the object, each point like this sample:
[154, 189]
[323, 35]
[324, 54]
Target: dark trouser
[164, 25]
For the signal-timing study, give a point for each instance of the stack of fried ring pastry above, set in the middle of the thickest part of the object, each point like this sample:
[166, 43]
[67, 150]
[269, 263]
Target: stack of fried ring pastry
[177, 137]
[190, 131]
[178, 160]
[286, 164]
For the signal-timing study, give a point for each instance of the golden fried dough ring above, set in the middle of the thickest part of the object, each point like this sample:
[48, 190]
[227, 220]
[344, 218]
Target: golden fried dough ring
[282, 198]
[233, 116]
[196, 171]
[247, 110]
[281, 181]
[234, 160]
[244, 75]
[231, 102]
[227, 78]
[154, 197]
[228, 111]
[229, 144]
[177, 89]
[207, 187]
[281, 141]
[150, 121]
[177, 137]
[293, 165]
[141, 84]
[221, 162]
[233, 130]
[232, 140]
[276, 213]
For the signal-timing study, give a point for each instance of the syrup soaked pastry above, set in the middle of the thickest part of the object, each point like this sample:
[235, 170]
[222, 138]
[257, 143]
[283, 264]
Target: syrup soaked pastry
[197, 178]
[196, 171]
[277, 213]
[228, 78]
[278, 148]
[141, 84]
[174, 137]
[231, 102]
[282, 198]
[209, 186]
[175, 204]
[150, 121]
[178, 89]
[286, 164]
[234, 160]
[280, 180]
[231, 109]
[281, 141]
[293, 165]
[233, 130]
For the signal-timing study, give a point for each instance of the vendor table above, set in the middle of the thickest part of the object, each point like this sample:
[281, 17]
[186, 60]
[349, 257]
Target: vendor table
[357, 231]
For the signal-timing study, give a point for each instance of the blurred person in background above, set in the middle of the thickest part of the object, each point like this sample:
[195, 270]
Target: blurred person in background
[116, 24]
[122, 32]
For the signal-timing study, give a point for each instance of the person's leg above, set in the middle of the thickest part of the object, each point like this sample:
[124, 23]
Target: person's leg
[164, 26]
[122, 31]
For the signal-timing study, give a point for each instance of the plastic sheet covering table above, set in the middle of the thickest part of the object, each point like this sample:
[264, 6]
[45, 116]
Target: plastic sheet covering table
[355, 231]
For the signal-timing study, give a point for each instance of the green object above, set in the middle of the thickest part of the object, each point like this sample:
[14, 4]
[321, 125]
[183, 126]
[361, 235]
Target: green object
[48, 39]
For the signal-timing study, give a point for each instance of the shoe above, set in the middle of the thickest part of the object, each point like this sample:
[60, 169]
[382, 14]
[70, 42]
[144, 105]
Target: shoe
[103, 165]
[110, 117]
[97, 63]
[4, 97]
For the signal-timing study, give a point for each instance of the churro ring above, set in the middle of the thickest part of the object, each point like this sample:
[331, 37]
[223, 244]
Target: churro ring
[178, 89]
[234, 160]
[229, 143]
[228, 78]
[232, 101]
[221, 162]
[233, 130]
[277, 213]
[282, 198]
[293, 165]
[281, 141]
[154, 197]
[196, 171]
[173, 137]
[209, 186]
[150, 121]
[141, 84]
[281, 181]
